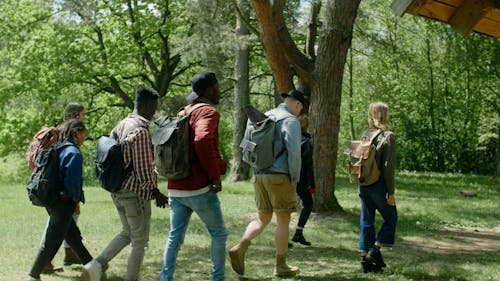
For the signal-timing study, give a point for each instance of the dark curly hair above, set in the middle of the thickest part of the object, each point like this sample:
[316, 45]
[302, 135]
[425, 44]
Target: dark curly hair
[71, 127]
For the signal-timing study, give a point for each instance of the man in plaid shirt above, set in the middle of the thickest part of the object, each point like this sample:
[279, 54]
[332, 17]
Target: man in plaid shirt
[133, 201]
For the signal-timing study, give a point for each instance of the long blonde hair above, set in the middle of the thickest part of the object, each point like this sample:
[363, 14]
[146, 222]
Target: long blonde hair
[378, 116]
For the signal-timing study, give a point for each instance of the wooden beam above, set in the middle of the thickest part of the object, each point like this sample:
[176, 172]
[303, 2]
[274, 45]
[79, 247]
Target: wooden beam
[489, 24]
[469, 14]
[437, 10]
[400, 7]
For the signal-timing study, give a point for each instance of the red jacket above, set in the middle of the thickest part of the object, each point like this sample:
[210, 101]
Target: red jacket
[206, 162]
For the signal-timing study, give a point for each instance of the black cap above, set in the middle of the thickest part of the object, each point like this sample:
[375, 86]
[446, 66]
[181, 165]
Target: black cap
[298, 95]
[200, 82]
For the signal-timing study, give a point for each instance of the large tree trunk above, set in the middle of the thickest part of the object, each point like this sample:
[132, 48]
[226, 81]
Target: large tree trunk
[239, 169]
[334, 42]
[324, 78]
[273, 45]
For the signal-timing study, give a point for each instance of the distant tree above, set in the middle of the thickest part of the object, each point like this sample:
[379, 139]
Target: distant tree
[239, 169]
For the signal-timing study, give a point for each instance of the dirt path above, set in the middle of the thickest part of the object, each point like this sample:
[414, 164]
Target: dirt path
[453, 239]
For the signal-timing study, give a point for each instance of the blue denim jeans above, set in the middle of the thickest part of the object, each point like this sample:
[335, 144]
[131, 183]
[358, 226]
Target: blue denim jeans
[374, 197]
[207, 207]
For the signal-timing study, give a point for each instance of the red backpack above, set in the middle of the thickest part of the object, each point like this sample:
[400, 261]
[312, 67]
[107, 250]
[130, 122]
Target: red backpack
[45, 138]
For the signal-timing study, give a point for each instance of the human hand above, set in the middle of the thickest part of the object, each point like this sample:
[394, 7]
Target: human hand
[312, 190]
[161, 200]
[216, 186]
[391, 200]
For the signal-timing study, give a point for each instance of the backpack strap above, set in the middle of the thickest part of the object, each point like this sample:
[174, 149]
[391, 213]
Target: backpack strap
[279, 117]
[384, 138]
[365, 136]
[187, 110]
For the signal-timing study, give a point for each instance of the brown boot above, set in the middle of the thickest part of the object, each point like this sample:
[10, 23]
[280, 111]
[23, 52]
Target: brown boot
[284, 270]
[70, 257]
[237, 255]
[51, 268]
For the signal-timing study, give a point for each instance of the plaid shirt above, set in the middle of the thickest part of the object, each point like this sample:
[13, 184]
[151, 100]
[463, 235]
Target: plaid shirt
[137, 150]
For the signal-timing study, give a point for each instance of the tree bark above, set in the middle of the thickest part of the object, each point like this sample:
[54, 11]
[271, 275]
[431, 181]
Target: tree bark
[239, 169]
[334, 43]
[497, 174]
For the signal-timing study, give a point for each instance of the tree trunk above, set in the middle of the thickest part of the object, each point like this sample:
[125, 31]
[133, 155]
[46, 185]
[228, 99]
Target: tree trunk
[273, 47]
[334, 42]
[351, 96]
[324, 78]
[497, 174]
[239, 169]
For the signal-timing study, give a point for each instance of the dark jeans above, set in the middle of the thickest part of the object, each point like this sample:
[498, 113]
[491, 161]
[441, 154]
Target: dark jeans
[374, 197]
[61, 227]
[307, 205]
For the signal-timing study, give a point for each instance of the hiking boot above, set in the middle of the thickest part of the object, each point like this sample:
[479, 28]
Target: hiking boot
[298, 237]
[237, 256]
[284, 270]
[51, 268]
[33, 278]
[375, 257]
[92, 271]
[70, 257]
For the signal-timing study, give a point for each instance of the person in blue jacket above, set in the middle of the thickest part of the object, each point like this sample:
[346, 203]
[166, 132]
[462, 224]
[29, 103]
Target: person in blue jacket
[62, 226]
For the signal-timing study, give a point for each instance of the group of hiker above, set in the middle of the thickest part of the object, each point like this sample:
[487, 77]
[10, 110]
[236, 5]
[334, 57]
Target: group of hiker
[277, 188]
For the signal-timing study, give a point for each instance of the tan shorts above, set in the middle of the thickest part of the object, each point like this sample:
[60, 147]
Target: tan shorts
[274, 193]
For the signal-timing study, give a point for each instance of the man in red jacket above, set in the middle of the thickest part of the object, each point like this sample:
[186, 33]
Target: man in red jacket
[198, 192]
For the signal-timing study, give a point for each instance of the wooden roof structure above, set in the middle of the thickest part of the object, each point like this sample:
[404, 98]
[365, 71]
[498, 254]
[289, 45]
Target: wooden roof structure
[482, 16]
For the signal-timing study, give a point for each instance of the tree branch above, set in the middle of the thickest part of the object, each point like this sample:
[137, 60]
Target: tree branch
[244, 20]
[136, 34]
[312, 29]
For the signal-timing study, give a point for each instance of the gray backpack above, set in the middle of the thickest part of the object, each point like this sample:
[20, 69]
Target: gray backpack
[257, 143]
[171, 142]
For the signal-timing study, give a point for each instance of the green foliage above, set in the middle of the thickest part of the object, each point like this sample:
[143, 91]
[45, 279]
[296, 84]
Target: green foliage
[441, 88]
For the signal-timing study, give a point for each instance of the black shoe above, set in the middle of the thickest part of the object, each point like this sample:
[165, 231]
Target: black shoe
[366, 265]
[375, 257]
[299, 238]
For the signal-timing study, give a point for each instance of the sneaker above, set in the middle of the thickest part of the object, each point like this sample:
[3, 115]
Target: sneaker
[375, 257]
[92, 271]
[33, 278]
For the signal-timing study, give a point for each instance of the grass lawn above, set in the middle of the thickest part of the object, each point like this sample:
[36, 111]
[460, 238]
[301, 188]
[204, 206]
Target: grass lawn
[441, 234]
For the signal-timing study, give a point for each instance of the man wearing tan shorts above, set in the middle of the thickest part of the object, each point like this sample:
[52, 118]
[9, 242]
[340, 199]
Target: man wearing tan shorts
[275, 186]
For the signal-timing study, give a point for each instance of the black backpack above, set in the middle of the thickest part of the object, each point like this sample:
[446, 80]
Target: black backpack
[109, 168]
[171, 141]
[45, 185]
